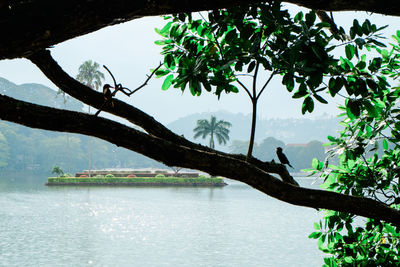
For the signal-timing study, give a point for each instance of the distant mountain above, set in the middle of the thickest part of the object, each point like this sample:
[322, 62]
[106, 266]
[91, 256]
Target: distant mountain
[287, 130]
[38, 94]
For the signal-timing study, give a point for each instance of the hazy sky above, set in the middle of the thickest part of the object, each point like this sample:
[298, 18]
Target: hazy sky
[128, 50]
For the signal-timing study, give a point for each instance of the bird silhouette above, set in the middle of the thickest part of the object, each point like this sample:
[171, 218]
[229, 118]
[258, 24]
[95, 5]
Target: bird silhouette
[282, 157]
[107, 93]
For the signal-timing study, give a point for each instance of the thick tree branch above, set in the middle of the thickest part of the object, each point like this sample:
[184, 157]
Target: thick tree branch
[28, 26]
[72, 87]
[69, 85]
[174, 155]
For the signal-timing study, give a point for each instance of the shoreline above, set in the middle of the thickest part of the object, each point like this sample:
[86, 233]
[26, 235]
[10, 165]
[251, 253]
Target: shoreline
[148, 181]
[140, 184]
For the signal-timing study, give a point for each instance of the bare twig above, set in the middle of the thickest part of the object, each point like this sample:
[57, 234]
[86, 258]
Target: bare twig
[148, 79]
[119, 87]
[244, 87]
[266, 83]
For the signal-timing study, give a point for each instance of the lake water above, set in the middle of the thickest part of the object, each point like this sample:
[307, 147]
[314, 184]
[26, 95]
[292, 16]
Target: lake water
[145, 226]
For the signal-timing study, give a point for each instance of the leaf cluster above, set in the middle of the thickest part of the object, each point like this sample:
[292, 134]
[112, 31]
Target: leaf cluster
[214, 52]
[367, 152]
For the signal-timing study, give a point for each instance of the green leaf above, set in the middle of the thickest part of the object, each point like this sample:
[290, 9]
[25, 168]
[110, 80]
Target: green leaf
[349, 49]
[352, 109]
[234, 89]
[310, 18]
[385, 144]
[169, 61]
[167, 82]
[308, 105]
[195, 87]
[160, 42]
[230, 36]
[390, 229]
[182, 17]
[371, 84]
[332, 139]
[298, 17]
[361, 65]
[300, 94]
[320, 99]
[372, 111]
[357, 28]
[251, 67]
[331, 83]
[165, 29]
[207, 85]
[314, 164]
[348, 259]
[377, 43]
[288, 80]
[159, 73]
[335, 85]
[366, 27]
[315, 235]
[368, 130]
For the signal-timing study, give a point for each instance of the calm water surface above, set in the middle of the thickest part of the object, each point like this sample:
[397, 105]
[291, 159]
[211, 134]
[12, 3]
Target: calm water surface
[129, 226]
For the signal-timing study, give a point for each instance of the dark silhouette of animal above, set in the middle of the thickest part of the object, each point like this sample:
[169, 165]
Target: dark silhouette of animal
[107, 93]
[282, 157]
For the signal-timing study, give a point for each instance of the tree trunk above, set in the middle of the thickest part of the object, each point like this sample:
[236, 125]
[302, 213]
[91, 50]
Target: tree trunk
[253, 127]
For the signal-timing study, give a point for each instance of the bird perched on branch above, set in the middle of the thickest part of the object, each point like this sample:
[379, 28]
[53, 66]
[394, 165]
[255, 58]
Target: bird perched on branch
[282, 157]
[107, 94]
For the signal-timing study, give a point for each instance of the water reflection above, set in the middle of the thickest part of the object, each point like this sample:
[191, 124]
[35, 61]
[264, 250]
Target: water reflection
[162, 226]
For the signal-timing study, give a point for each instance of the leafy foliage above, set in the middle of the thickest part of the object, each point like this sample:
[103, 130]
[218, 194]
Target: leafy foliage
[369, 155]
[201, 54]
[218, 53]
[57, 170]
[214, 54]
[219, 129]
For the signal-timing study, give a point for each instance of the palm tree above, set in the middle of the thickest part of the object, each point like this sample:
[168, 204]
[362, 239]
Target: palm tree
[212, 127]
[90, 75]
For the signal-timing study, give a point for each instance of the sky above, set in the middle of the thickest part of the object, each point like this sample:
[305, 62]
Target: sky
[128, 50]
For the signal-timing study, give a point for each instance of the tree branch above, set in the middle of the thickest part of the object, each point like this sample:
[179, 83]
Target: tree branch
[245, 88]
[50, 68]
[265, 84]
[69, 85]
[29, 26]
[173, 154]
[146, 81]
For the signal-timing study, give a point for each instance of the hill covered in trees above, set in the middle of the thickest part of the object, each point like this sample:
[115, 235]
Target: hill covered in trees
[24, 149]
[39, 94]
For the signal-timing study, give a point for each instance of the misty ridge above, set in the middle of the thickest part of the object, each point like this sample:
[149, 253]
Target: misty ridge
[290, 131]
[26, 149]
